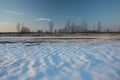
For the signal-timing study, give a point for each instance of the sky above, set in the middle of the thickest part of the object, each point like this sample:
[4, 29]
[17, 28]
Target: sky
[36, 14]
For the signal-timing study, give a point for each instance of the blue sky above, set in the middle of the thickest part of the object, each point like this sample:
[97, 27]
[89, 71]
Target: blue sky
[36, 14]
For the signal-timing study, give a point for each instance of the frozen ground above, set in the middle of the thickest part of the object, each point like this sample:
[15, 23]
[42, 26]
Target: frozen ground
[63, 60]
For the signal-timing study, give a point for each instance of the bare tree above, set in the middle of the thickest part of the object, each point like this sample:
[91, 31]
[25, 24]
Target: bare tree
[40, 31]
[51, 25]
[18, 27]
[68, 26]
[99, 26]
[24, 29]
[22, 25]
[83, 26]
[86, 26]
[73, 27]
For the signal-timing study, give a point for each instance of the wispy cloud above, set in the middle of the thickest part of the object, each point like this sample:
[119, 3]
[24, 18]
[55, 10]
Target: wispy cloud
[11, 12]
[43, 19]
[66, 17]
[22, 14]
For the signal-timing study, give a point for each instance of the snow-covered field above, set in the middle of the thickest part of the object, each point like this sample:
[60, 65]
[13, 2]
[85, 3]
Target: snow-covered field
[63, 60]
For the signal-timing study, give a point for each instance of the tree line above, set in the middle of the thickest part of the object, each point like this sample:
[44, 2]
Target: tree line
[21, 28]
[70, 27]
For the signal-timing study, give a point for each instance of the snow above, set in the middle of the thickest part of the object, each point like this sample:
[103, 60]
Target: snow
[78, 60]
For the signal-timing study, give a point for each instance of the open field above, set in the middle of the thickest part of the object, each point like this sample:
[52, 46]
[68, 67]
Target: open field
[60, 58]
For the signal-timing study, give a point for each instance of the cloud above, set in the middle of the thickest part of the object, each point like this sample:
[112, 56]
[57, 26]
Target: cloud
[11, 12]
[66, 17]
[43, 19]
[22, 14]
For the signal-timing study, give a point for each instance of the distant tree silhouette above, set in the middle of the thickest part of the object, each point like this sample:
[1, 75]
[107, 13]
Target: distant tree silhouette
[84, 26]
[55, 31]
[99, 26]
[40, 31]
[78, 28]
[73, 27]
[51, 25]
[24, 29]
[108, 30]
[68, 26]
[18, 27]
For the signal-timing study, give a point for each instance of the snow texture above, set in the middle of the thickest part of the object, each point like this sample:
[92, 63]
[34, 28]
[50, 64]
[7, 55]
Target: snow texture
[79, 60]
